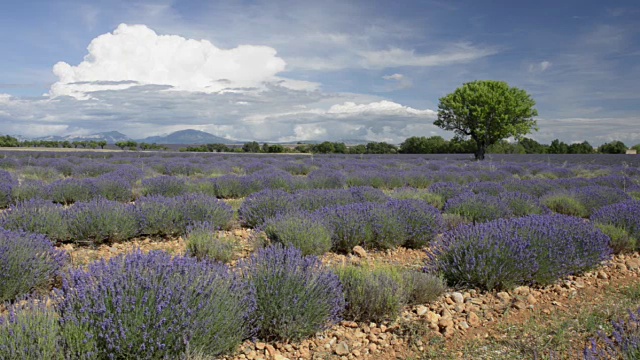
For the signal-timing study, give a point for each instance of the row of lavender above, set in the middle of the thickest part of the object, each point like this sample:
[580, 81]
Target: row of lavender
[155, 306]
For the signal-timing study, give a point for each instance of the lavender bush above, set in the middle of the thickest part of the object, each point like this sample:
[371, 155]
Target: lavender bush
[204, 242]
[420, 221]
[477, 207]
[505, 253]
[623, 215]
[6, 188]
[164, 186]
[350, 225]
[229, 187]
[564, 203]
[114, 187]
[68, 191]
[259, 207]
[407, 193]
[303, 231]
[153, 306]
[101, 220]
[296, 296]
[371, 294]
[29, 189]
[624, 342]
[522, 204]
[160, 215]
[28, 262]
[37, 216]
[30, 331]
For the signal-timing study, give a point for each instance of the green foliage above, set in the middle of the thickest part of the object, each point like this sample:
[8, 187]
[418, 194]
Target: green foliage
[505, 147]
[621, 240]
[300, 231]
[565, 204]
[296, 295]
[372, 294]
[424, 145]
[30, 332]
[421, 288]
[533, 147]
[204, 242]
[130, 144]
[8, 141]
[252, 147]
[487, 111]
[381, 148]
[581, 148]
[614, 147]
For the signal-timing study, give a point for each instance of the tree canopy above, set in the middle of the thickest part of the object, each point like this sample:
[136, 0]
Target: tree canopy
[487, 111]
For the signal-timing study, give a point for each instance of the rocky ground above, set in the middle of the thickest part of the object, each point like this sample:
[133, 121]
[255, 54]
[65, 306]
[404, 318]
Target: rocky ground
[462, 324]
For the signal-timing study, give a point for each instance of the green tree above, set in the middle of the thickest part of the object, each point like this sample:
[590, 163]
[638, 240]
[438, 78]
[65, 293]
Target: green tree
[8, 141]
[533, 147]
[487, 111]
[558, 147]
[381, 148]
[325, 147]
[102, 143]
[252, 147]
[358, 149]
[581, 148]
[614, 147]
[424, 145]
[275, 149]
[636, 148]
[505, 147]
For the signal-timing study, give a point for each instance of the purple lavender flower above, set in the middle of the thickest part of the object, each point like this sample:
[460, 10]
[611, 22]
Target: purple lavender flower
[28, 262]
[296, 295]
[508, 252]
[150, 306]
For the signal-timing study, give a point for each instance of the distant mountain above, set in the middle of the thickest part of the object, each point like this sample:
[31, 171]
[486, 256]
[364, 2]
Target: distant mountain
[111, 137]
[187, 137]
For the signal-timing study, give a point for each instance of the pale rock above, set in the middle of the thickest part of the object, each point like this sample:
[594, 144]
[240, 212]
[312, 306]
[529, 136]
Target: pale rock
[633, 264]
[504, 296]
[473, 319]
[445, 322]
[457, 297]
[421, 310]
[522, 290]
[360, 251]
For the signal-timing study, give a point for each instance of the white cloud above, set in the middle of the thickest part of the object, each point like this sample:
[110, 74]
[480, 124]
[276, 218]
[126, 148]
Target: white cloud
[395, 57]
[136, 55]
[378, 108]
[540, 67]
[401, 81]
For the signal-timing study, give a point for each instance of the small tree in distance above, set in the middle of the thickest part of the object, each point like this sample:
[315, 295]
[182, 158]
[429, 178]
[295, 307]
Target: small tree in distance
[487, 111]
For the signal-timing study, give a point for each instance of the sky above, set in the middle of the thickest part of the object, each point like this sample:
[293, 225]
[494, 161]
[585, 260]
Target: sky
[313, 70]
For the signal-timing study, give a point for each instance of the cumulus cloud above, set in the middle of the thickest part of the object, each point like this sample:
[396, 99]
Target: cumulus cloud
[135, 55]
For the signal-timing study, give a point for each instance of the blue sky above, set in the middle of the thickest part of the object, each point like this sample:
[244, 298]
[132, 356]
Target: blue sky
[300, 70]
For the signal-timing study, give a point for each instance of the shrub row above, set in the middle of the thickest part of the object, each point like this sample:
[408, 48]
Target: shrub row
[101, 220]
[409, 223]
[500, 254]
[153, 306]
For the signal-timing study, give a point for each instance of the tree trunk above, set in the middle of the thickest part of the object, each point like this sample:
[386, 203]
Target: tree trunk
[480, 150]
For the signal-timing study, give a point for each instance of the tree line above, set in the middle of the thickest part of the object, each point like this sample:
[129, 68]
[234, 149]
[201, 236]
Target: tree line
[10, 141]
[411, 145]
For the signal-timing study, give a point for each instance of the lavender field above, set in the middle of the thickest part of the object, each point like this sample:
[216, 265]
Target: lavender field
[508, 221]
